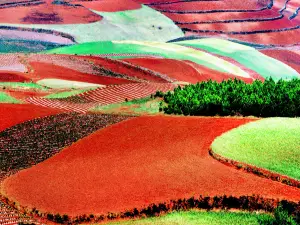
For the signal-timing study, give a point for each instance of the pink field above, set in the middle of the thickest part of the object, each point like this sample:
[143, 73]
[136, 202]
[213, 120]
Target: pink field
[34, 36]
[137, 162]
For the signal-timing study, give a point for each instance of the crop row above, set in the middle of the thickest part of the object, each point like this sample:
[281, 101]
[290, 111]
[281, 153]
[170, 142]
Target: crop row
[32, 142]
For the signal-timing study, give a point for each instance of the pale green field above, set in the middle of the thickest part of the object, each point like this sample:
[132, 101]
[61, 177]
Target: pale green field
[66, 94]
[271, 143]
[166, 50]
[66, 84]
[247, 56]
[127, 25]
[199, 218]
[22, 85]
[5, 98]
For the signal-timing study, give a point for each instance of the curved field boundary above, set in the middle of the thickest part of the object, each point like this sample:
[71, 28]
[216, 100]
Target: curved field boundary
[231, 21]
[23, 3]
[39, 30]
[178, 1]
[154, 158]
[242, 32]
[34, 141]
[256, 170]
[59, 104]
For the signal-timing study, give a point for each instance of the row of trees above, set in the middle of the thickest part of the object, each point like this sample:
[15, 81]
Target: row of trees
[234, 97]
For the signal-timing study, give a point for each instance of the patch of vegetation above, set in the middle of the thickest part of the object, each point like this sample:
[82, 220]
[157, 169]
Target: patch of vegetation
[139, 106]
[5, 98]
[29, 85]
[235, 97]
[66, 94]
[195, 217]
[271, 143]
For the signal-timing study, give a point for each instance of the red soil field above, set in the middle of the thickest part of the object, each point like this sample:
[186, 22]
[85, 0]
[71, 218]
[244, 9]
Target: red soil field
[288, 57]
[23, 94]
[244, 26]
[137, 162]
[48, 14]
[12, 114]
[290, 37]
[221, 16]
[183, 70]
[118, 67]
[10, 76]
[218, 5]
[44, 70]
[109, 5]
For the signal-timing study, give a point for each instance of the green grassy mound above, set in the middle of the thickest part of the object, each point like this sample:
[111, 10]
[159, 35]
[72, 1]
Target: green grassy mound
[199, 218]
[272, 143]
[5, 98]
[140, 24]
[136, 106]
[166, 50]
[247, 56]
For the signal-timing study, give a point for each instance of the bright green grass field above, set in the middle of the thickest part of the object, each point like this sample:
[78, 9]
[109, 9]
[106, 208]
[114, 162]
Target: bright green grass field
[166, 50]
[199, 218]
[249, 57]
[5, 98]
[272, 143]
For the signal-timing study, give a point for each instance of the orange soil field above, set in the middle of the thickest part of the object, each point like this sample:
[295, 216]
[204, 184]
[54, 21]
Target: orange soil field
[48, 14]
[45, 70]
[12, 114]
[109, 5]
[137, 162]
[183, 70]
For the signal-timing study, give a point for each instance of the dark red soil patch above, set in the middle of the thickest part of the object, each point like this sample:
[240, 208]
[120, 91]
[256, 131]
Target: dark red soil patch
[288, 57]
[137, 162]
[12, 114]
[109, 5]
[48, 14]
[9, 76]
[45, 70]
[183, 70]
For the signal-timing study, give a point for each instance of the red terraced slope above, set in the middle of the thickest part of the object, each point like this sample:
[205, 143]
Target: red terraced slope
[137, 162]
[127, 69]
[222, 16]
[103, 96]
[183, 70]
[109, 5]
[48, 14]
[12, 114]
[10, 76]
[45, 70]
[288, 57]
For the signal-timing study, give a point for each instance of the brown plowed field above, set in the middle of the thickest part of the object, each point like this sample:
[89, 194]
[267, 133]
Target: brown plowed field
[137, 162]
[12, 114]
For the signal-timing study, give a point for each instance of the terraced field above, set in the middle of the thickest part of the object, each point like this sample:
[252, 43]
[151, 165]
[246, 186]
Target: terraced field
[85, 87]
